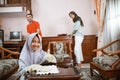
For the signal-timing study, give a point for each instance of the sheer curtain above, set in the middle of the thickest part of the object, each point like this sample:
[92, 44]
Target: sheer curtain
[112, 23]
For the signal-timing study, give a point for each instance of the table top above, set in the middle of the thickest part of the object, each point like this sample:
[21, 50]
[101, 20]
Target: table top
[64, 74]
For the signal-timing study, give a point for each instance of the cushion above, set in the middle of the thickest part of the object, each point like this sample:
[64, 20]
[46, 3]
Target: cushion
[6, 65]
[61, 54]
[105, 60]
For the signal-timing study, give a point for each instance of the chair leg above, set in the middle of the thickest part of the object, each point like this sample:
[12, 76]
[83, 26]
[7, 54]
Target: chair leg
[106, 78]
[91, 72]
[91, 69]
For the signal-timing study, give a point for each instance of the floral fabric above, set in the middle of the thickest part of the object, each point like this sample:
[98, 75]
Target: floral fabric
[105, 60]
[6, 65]
[61, 54]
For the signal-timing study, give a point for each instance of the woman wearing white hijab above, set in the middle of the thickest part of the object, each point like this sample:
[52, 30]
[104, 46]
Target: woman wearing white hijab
[32, 53]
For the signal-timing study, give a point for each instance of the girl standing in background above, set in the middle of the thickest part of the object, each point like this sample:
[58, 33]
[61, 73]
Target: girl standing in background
[79, 36]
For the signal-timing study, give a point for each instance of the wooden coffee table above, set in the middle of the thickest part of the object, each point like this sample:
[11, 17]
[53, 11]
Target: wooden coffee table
[65, 74]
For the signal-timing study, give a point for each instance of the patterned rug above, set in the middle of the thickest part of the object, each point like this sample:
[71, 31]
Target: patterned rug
[85, 72]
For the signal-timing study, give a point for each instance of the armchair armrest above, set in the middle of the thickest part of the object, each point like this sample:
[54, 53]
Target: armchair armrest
[10, 53]
[115, 64]
[102, 48]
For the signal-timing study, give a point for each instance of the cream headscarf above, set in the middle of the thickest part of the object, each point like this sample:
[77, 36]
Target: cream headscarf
[28, 56]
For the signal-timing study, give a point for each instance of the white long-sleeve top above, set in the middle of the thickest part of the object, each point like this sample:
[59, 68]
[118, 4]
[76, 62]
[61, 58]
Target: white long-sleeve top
[78, 29]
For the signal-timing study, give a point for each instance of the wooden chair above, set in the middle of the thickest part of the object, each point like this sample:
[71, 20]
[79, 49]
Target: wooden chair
[107, 71]
[62, 50]
[7, 54]
[7, 63]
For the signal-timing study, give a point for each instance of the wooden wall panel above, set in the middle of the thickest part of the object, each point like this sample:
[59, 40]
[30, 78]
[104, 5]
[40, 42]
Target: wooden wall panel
[89, 43]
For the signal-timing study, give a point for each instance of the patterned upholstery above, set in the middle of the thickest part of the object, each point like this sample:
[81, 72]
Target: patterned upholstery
[6, 65]
[61, 52]
[105, 61]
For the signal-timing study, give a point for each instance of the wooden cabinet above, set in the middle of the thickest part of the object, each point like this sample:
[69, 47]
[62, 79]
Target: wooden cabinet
[24, 5]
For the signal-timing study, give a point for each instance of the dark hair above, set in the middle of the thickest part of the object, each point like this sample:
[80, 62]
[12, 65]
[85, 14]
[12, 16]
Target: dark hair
[76, 18]
[37, 35]
[29, 14]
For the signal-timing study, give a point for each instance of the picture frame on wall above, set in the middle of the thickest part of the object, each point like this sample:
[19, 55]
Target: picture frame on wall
[1, 37]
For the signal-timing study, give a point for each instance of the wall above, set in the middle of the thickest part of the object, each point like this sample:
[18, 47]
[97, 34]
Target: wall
[53, 17]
